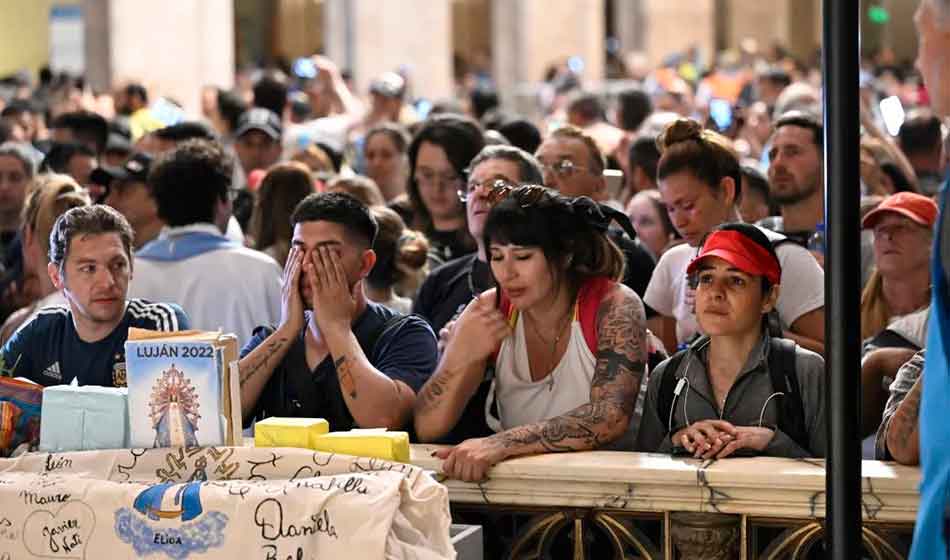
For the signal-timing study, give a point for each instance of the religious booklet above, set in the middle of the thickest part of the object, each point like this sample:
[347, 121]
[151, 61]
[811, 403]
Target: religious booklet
[183, 389]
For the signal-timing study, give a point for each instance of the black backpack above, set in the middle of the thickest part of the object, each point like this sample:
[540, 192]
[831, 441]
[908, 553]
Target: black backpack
[781, 363]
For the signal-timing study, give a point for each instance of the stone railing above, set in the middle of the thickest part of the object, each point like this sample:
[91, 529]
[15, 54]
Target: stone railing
[656, 506]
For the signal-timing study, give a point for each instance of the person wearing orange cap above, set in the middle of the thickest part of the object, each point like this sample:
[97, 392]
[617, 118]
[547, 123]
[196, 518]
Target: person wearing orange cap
[736, 390]
[900, 285]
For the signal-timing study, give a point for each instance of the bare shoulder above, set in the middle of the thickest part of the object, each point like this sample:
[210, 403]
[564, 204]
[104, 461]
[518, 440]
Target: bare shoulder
[620, 302]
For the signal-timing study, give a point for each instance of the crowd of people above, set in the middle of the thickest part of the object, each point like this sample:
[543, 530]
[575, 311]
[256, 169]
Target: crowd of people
[473, 276]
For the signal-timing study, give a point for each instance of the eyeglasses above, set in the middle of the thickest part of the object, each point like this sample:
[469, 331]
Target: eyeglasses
[564, 168]
[496, 188]
[429, 178]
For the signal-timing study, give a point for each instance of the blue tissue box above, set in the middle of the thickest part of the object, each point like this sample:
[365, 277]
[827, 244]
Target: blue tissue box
[84, 418]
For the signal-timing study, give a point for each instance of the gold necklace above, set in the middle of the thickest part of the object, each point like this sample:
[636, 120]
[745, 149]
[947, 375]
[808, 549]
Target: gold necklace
[557, 339]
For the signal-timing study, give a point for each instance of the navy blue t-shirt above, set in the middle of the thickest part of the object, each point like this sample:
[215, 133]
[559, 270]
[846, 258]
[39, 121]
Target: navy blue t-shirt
[406, 351]
[48, 350]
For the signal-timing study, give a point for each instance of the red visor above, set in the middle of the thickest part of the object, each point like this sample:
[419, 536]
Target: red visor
[741, 252]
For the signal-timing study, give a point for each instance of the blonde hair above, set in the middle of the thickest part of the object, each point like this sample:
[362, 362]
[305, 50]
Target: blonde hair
[875, 313]
[50, 196]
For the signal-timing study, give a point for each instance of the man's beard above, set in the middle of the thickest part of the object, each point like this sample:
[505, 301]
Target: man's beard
[800, 194]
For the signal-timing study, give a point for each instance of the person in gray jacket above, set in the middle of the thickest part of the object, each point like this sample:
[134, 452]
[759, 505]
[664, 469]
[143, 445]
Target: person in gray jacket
[736, 390]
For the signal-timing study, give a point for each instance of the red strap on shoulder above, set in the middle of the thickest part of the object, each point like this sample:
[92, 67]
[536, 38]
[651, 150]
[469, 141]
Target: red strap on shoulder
[510, 313]
[588, 302]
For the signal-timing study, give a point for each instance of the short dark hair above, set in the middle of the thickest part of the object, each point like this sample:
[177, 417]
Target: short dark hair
[59, 155]
[86, 126]
[231, 107]
[87, 220]
[339, 208]
[188, 181]
[521, 133]
[529, 169]
[644, 154]
[586, 104]
[270, 92]
[756, 181]
[17, 107]
[137, 90]
[635, 107]
[803, 119]
[483, 99]
[777, 76]
[920, 133]
[187, 130]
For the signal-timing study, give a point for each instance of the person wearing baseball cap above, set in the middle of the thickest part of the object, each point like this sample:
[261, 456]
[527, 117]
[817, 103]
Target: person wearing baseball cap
[753, 394]
[126, 191]
[900, 284]
[257, 139]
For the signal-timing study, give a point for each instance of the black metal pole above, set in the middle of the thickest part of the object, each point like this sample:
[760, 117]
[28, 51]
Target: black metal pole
[840, 60]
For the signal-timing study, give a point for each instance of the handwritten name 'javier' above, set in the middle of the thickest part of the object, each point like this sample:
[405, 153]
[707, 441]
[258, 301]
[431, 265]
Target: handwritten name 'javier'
[269, 517]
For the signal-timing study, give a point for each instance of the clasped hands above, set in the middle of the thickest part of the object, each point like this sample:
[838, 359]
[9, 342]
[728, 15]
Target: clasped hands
[718, 439]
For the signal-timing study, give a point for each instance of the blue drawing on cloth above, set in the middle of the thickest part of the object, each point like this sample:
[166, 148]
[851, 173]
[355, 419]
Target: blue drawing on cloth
[183, 527]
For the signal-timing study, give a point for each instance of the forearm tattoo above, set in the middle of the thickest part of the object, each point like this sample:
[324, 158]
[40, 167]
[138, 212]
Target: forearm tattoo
[272, 347]
[621, 359]
[345, 375]
[902, 430]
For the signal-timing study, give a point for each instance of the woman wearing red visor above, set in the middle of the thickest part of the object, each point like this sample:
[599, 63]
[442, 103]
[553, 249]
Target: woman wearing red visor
[736, 390]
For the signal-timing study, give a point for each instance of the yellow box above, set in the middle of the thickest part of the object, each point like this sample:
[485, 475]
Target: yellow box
[289, 432]
[392, 446]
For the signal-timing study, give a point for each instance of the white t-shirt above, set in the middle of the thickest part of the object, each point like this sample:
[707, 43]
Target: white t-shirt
[802, 290]
[234, 289]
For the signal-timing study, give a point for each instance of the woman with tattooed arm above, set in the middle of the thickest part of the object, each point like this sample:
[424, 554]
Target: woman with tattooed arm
[565, 340]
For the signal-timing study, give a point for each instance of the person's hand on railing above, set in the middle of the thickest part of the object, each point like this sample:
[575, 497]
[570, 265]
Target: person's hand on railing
[706, 438]
[470, 460]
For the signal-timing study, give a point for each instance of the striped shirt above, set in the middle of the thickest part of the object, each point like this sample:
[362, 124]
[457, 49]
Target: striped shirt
[48, 349]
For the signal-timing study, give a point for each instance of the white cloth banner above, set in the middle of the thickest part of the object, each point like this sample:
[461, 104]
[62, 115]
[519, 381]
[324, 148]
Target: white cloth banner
[219, 502]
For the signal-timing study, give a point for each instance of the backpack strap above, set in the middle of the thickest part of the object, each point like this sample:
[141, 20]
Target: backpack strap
[588, 302]
[664, 402]
[782, 370]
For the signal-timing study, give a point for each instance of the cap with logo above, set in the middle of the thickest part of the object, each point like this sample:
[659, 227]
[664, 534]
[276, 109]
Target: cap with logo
[389, 84]
[263, 120]
[134, 169]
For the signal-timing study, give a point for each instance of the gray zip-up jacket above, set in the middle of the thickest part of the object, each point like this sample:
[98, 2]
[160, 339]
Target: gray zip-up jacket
[750, 399]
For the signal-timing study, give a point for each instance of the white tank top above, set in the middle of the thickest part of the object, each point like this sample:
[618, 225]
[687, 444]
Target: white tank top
[522, 401]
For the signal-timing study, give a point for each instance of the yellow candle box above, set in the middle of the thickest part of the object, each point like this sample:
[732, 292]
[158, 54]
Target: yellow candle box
[392, 446]
[289, 432]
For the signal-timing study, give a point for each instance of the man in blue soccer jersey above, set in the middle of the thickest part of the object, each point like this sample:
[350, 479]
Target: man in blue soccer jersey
[91, 263]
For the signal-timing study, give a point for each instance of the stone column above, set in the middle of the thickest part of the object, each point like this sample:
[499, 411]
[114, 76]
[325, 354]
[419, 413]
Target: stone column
[705, 536]
[529, 35]
[370, 37]
[659, 28]
[174, 47]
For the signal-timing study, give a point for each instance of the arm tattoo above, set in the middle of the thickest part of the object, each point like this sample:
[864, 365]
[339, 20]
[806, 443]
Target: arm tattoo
[346, 376]
[902, 429]
[431, 394]
[621, 359]
[253, 369]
